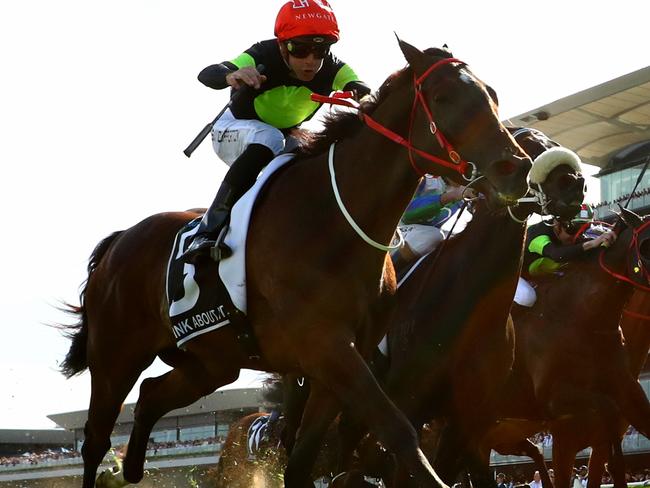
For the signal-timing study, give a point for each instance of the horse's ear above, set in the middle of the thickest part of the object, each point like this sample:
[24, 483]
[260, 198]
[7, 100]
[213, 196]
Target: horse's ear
[630, 218]
[493, 94]
[414, 57]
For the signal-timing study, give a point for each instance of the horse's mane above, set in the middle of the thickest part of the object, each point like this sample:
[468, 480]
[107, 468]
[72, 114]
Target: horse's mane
[340, 125]
[272, 389]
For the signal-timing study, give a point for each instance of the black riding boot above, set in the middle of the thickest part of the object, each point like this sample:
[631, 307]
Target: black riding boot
[238, 180]
[211, 224]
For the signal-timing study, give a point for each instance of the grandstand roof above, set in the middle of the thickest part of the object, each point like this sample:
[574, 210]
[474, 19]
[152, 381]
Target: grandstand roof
[233, 399]
[600, 121]
[35, 436]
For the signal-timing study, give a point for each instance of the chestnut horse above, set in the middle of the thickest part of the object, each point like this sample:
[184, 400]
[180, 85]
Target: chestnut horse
[244, 465]
[571, 371]
[248, 457]
[312, 281]
[451, 345]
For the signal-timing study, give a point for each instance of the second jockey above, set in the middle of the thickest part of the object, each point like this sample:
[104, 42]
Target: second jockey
[433, 203]
[297, 63]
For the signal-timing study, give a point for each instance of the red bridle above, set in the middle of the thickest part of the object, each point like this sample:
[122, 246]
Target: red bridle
[636, 315]
[457, 163]
[634, 244]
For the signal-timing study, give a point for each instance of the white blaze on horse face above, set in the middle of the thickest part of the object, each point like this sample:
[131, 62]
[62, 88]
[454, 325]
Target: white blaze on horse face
[467, 78]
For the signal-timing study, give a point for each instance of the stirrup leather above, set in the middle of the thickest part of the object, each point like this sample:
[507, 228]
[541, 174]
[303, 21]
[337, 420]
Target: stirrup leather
[221, 250]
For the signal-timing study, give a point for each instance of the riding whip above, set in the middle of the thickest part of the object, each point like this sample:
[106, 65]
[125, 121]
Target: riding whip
[638, 180]
[208, 128]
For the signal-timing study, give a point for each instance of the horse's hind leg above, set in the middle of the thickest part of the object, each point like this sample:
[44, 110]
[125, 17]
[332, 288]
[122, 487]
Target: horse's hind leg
[111, 382]
[340, 368]
[104, 408]
[180, 387]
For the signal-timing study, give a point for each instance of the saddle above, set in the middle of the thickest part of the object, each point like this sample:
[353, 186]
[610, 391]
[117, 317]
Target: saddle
[208, 295]
[198, 299]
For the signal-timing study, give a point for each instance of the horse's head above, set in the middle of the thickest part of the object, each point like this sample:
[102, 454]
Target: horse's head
[632, 248]
[556, 173]
[457, 108]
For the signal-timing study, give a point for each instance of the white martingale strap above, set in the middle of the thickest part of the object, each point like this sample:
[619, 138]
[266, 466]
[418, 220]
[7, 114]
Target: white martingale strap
[347, 215]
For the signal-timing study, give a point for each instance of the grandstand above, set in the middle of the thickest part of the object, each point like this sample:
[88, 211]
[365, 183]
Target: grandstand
[184, 444]
[608, 125]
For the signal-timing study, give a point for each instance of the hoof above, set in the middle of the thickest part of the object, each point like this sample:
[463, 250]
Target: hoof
[110, 479]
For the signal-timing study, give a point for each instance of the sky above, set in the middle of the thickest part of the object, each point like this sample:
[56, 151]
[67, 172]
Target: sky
[98, 100]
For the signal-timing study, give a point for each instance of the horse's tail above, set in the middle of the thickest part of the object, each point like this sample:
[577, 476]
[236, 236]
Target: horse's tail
[76, 360]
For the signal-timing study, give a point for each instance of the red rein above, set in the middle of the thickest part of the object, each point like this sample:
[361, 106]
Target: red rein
[636, 315]
[634, 243]
[457, 163]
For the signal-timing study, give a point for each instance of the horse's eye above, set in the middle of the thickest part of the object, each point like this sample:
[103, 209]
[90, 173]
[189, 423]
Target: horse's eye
[441, 98]
[644, 248]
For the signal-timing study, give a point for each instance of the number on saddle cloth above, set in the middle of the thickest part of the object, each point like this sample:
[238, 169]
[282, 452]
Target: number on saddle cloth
[198, 300]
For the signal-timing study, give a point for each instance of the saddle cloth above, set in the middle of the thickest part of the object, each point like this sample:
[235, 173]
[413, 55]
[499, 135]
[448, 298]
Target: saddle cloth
[208, 295]
[256, 433]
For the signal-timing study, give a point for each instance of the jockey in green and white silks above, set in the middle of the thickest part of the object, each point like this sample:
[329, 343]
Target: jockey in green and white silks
[549, 248]
[433, 203]
[297, 63]
[549, 245]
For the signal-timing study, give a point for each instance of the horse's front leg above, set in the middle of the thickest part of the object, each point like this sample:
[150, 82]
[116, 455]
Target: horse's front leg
[449, 455]
[597, 459]
[564, 455]
[350, 434]
[320, 410]
[635, 406]
[296, 390]
[616, 465]
[341, 369]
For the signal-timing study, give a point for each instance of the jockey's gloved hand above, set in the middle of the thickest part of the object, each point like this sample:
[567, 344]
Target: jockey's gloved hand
[246, 76]
[358, 88]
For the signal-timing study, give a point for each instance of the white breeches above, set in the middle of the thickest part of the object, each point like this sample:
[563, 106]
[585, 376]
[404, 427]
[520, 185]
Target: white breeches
[230, 136]
[525, 294]
[421, 239]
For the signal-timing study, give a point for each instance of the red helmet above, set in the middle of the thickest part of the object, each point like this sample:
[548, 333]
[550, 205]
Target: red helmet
[307, 18]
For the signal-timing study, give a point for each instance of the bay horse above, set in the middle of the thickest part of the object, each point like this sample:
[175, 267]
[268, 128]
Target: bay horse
[312, 281]
[451, 344]
[635, 327]
[572, 372]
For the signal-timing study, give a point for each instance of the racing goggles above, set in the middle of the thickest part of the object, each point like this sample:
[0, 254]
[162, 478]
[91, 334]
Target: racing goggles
[301, 50]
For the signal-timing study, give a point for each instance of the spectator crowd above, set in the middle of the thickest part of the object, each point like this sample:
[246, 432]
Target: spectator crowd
[37, 457]
[623, 198]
